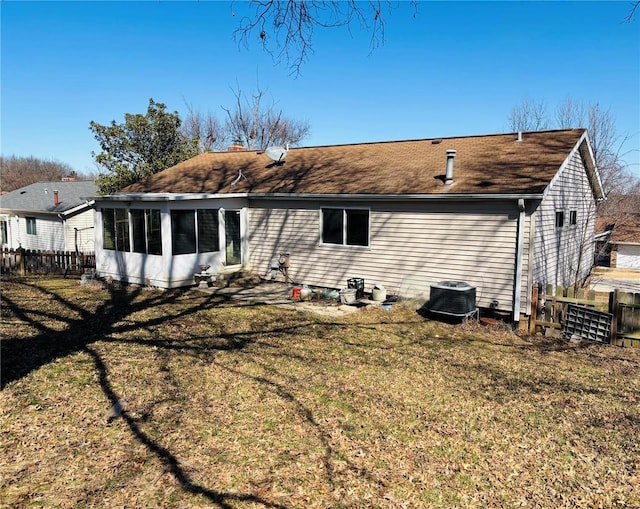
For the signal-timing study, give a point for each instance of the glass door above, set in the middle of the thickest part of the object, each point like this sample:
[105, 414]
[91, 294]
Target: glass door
[232, 237]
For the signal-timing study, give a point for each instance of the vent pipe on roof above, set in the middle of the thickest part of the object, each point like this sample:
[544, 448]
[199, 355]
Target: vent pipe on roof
[449, 175]
[56, 199]
[519, 136]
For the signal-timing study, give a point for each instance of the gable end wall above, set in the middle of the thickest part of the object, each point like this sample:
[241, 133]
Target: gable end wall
[564, 255]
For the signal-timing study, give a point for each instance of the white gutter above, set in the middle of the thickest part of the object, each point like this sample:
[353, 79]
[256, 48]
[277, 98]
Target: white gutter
[165, 197]
[77, 208]
[517, 286]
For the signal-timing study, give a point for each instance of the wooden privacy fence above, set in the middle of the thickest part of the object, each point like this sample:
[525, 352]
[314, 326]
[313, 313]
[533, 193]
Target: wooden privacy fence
[24, 261]
[608, 317]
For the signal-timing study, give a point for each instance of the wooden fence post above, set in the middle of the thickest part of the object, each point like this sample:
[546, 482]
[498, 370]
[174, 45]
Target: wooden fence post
[22, 262]
[613, 309]
[534, 310]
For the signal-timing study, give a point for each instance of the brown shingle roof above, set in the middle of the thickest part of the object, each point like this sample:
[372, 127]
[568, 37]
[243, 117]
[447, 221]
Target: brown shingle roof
[493, 164]
[625, 228]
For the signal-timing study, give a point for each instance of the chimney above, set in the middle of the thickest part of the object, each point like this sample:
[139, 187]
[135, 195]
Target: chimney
[449, 176]
[237, 147]
[519, 138]
[56, 200]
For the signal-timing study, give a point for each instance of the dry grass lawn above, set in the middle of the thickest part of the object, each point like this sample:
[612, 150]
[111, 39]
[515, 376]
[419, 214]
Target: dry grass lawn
[238, 405]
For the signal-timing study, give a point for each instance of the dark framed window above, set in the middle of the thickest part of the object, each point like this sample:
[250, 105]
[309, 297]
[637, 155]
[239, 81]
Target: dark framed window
[573, 217]
[138, 229]
[122, 230]
[154, 232]
[115, 229]
[208, 239]
[3, 232]
[194, 231]
[108, 228]
[31, 225]
[147, 234]
[183, 231]
[348, 227]
[559, 219]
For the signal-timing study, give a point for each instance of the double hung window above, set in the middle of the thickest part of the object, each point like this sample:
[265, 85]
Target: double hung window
[31, 225]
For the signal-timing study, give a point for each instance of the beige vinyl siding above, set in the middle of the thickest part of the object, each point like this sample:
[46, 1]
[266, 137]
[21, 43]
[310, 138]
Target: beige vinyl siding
[565, 254]
[467, 242]
[84, 222]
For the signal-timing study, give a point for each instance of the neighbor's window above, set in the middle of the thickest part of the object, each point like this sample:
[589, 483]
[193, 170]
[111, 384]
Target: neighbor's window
[345, 226]
[147, 235]
[573, 217]
[31, 225]
[559, 219]
[3, 232]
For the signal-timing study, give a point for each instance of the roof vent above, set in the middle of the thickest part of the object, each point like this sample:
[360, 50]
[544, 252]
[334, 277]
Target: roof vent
[449, 175]
[519, 136]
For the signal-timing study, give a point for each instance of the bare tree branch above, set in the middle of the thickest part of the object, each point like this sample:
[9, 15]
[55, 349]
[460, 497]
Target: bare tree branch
[632, 12]
[529, 115]
[286, 28]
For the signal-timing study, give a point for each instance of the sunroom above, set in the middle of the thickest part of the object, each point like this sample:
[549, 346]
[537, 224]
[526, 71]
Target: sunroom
[163, 240]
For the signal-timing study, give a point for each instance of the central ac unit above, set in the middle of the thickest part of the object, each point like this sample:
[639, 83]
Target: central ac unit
[454, 298]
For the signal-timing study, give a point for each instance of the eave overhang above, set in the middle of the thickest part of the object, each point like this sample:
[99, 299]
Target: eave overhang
[167, 197]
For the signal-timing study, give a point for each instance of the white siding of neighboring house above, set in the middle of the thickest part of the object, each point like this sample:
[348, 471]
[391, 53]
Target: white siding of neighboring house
[84, 223]
[471, 242]
[628, 256]
[49, 233]
[564, 255]
[13, 232]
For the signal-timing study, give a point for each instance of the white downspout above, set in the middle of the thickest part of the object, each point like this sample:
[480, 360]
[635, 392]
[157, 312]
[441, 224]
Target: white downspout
[517, 286]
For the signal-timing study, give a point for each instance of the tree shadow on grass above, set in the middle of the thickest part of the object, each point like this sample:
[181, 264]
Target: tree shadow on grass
[21, 356]
[66, 327]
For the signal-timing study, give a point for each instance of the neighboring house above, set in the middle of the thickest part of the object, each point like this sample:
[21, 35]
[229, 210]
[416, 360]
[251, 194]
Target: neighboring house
[501, 213]
[620, 240]
[49, 216]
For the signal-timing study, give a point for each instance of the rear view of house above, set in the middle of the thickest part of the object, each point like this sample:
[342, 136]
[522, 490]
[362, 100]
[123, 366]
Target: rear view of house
[500, 212]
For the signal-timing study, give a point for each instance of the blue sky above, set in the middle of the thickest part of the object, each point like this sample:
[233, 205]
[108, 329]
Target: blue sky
[455, 68]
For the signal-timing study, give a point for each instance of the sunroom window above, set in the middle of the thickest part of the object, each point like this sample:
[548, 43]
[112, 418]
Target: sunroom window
[194, 231]
[147, 235]
[108, 228]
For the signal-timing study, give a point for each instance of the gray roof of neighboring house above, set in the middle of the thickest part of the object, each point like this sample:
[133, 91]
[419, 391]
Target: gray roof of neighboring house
[39, 197]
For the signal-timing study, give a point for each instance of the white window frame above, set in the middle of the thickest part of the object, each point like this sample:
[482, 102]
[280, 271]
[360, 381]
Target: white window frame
[31, 225]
